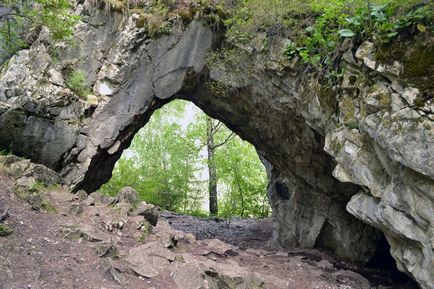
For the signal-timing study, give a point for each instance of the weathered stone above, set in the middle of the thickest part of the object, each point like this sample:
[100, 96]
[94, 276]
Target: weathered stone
[75, 209]
[146, 260]
[218, 247]
[128, 195]
[107, 251]
[149, 212]
[98, 198]
[86, 232]
[382, 138]
[196, 273]
[81, 195]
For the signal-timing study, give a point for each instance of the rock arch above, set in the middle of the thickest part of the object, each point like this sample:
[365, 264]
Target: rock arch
[275, 109]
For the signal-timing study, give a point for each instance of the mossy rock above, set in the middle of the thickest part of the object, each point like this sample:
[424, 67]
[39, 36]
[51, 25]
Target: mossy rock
[417, 56]
[48, 206]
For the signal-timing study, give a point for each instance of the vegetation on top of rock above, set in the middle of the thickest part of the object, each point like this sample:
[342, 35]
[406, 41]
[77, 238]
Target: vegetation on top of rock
[319, 44]
[320, 31]
[76, 81]
[21, 21]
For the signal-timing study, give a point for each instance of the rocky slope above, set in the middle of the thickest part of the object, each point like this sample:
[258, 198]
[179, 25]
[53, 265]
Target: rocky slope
[344, 166]
[65, 240]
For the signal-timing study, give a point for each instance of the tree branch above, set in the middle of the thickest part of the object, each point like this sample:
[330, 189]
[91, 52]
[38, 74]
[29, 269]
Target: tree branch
[224, 142]
[217, 127]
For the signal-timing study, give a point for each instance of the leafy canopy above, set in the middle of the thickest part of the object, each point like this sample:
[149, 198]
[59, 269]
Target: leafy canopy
[166, 163]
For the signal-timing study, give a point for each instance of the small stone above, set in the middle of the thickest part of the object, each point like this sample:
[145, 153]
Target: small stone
[149, 212]
[75, 209]
[127, 195]
[81, 195]
[105, 89]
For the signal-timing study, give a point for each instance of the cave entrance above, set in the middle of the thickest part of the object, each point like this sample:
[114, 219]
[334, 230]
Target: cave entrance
[185, 161]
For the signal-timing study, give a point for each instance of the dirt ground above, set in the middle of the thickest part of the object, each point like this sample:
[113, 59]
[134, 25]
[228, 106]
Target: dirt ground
[111, 251]
[244, 233]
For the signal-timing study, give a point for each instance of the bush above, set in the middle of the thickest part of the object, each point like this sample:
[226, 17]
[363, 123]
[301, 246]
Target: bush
[77, 83]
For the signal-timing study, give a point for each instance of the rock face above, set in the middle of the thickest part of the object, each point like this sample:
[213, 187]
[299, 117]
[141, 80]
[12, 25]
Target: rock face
[366, 149]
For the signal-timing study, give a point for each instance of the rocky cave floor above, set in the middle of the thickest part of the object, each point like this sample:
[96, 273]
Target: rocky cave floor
[98, 242]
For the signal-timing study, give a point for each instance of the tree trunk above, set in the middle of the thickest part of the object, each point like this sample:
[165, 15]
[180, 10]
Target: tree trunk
[212, 180]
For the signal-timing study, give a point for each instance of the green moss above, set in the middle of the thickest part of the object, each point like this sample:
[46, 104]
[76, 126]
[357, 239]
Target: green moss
[352, 124]
[384, 99]
[336, 145]
[5, 152]
[76, 81]
[5, 230]
[327, 98]
[348, 109]
[48, 207]
[146, 229]
[36, 187]
[417, 57]
[186, 14]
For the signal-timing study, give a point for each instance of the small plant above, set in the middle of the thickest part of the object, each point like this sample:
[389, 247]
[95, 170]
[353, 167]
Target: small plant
[198, 213]
[320, 42]
[5, 230]
[48, 207]
[352, 124]
[36, 187]
[5, 153]
[77, 83]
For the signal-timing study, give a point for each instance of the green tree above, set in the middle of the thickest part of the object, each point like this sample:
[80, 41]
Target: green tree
[168, 158]
[161, 163]
[213, 129]
[242, 178]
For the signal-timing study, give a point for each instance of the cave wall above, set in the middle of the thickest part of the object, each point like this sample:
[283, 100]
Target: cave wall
[340, 163]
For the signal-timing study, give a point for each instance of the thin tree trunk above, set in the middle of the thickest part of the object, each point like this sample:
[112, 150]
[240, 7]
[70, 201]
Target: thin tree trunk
[212, 180]
[241, 193]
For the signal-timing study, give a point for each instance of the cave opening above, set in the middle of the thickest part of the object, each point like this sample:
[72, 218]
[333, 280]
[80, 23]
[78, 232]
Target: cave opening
[187, 162]
[382, 261]
[175, 120]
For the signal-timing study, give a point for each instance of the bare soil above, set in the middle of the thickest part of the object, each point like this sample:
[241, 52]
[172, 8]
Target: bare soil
[38, 256]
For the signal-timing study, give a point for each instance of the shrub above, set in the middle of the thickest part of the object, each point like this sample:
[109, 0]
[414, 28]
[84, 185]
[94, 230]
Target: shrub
[77, 83]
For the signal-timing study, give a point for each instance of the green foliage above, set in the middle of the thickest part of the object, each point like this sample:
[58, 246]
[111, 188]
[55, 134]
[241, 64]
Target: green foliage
[77, 83]
[157, 19]
[249, 17]
[161, 164]
[243, 179]
[5, 230]
[4, 152]
[321, 29]
[36, 187]
[48, 206]
[379, 21]
[26, 17]
[166, 164]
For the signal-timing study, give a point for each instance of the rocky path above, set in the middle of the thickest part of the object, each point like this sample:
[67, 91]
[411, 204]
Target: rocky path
[243, 233]
[61, 240]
